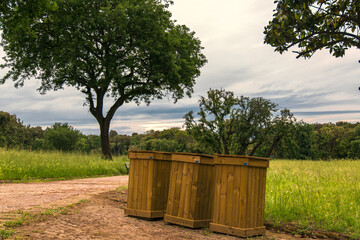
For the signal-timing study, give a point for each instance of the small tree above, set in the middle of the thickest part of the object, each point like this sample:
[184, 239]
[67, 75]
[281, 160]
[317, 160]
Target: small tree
[312, 25]
[228, 124]
[116, 50]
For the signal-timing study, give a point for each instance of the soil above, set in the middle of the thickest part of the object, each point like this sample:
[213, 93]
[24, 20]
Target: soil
[89, 209]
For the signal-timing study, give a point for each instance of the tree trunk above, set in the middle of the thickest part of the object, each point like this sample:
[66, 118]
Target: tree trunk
[104, 123]
[242, 150]
[105, 140]
[275, 142]
[255, 148]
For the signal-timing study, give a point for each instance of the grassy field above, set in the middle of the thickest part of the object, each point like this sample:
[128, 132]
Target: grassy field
[309, 195]
[315, 195]
[25, 165]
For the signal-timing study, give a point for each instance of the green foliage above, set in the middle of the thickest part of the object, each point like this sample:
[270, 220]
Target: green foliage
[355, 149]
[237, 125]
[169, 140]
[280, 137]
[6, 233]
[127, 50]
[14, 134]
[320, 141]
[25, 165]
[314, 195]
[312, 25]
[62, 137]
[119, 143]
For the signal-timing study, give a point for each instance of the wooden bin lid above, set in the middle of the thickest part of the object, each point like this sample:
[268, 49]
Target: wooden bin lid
[193, 158]
[142, 155]
[250, 161]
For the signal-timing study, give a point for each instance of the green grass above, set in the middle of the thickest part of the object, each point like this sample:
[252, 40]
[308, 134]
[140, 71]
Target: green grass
[24, 165]
[312, 195]
[4, 234]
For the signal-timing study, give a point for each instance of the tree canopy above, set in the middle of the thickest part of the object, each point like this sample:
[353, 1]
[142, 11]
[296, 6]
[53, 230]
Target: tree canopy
[122, 50]
[228, 124]
[312, 25]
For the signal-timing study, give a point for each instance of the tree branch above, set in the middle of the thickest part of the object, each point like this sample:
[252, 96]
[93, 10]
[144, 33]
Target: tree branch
[322, 32]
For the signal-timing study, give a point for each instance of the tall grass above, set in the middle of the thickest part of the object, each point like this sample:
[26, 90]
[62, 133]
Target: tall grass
[315, 195]
[25, 165]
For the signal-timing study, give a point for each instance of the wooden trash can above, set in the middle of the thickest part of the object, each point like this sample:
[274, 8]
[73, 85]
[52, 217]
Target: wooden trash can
[191, 190]
[239, 197]
[148, 184]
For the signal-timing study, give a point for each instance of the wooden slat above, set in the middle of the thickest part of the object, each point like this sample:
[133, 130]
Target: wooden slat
[171, 195]
[161, 179]
[136, 165]
[149, 188]
[243, 196]
[162, 156]
[223, 193]
[210, 180]
[217, 189]
[187, 222]
[258, 163]
[140, 183]
[206, 192]
[236, 196]
[156, 191]
[130, 187]
[194, 191]
[250, 194]
[187, 196]
[240, 232]
[199, 199]
[183, 190]
[256, 196]
[193, 158]
[165, 172]
[178, 189]
[262, 197]
[229, 195]
[143, 186]
[141, 155]
[231, 160]
[144, 213]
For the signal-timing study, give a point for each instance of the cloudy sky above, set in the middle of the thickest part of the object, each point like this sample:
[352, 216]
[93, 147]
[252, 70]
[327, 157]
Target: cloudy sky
[320, 89]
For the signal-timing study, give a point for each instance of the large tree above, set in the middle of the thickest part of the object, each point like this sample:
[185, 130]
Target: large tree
[114, 50]
[312, 25]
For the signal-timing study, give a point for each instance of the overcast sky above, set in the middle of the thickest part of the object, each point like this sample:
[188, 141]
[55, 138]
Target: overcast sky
[320, 89]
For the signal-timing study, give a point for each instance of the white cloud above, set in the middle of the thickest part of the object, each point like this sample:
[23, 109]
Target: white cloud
[232, 34]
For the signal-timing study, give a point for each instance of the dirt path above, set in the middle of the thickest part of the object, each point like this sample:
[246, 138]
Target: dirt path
[15, 196]
[100, 217]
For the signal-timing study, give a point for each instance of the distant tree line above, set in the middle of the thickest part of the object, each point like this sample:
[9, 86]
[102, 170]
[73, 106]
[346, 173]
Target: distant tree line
[225, 124]
[60, 136]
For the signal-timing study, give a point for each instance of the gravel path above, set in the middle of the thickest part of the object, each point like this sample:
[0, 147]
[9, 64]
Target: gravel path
[16, 196]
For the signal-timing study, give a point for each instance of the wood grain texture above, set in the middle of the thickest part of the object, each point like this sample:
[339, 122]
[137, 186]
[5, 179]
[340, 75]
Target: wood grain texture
[190, 200]
[149, 178]
[239, 195]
